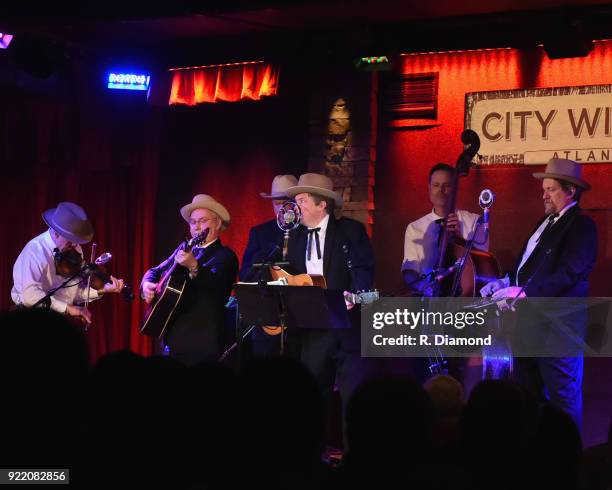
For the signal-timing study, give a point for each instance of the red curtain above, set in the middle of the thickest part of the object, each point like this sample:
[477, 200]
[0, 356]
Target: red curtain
[232, 152]
[98, 152]
[228, 83]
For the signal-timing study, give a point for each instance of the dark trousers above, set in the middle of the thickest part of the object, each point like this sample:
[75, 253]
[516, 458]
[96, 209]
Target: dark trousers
[554, 379]
[334, 355]
[264, 345]
[192, 342]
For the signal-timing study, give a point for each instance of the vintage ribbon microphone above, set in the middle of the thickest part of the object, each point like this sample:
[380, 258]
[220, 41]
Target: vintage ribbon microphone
[287, 219]
[485, 201]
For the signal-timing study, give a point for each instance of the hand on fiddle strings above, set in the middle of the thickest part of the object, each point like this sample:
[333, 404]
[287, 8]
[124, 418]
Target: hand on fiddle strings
[148, 291]
[186, 259]
[451, 224]
[80, 312]
[114, 286]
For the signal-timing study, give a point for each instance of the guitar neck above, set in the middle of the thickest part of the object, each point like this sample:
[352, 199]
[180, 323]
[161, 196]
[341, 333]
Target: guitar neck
[164, 279]
[366, 297]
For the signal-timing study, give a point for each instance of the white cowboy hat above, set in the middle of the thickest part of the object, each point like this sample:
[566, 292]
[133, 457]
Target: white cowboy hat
[70, 221]
[567, 170]
[318, 184]
[280, 184]
[204, 201]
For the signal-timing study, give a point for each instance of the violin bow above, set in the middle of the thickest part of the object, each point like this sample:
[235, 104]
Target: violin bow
[91, 259]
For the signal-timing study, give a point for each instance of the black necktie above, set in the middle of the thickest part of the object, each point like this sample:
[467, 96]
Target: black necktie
[551, 222]
[315, 232]
[440, 222]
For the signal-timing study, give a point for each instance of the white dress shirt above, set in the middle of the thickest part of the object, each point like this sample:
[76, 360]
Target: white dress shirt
[535, 238]
[315, 264]
[421, 240]
[34, 275]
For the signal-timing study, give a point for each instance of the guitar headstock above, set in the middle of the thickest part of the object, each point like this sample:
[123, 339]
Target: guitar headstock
[196, 240]
[365, 297]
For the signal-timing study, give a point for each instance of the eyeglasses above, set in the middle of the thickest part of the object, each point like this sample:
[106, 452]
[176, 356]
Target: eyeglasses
[201, 221]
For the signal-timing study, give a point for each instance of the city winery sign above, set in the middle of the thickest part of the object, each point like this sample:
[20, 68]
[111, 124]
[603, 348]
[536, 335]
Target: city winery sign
[534, 125]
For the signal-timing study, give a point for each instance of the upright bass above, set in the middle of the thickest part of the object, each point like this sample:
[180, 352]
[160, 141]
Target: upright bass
[461, 270]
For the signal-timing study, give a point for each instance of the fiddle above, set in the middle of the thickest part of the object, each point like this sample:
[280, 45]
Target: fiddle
[70, 263]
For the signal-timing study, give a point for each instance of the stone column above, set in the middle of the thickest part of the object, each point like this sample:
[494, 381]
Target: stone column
[343, 129]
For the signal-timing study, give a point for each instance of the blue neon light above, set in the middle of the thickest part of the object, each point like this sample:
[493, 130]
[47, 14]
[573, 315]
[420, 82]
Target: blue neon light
[128, 81]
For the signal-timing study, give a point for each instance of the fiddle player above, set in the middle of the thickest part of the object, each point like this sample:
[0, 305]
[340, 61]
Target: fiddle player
[196, 327]
[35, 274]
[423, 236]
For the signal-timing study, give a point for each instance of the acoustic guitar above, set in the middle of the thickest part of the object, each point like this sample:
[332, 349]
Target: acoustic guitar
[168, 295]
[277, 273]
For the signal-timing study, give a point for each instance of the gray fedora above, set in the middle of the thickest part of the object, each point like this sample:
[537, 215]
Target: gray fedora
[70, 221]
[280, 184]
[566, 170]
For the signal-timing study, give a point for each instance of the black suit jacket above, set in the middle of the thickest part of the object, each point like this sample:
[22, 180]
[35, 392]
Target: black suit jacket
[201, 312]
[563, 259]
[339, 232]
[263, 240]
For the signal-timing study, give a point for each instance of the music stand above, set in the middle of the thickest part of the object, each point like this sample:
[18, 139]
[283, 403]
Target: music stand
[291, 307]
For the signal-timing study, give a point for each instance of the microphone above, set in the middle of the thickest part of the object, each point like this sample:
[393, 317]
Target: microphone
[485, 200]
[104, 258]
[288, 216]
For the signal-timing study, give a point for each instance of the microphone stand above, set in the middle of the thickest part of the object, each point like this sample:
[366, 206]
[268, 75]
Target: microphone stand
[437, 363]
[469, 245]
[261, 267]
[46, 299]
[262, 283]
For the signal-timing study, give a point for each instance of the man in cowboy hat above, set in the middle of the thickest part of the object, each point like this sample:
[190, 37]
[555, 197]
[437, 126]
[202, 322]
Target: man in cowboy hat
[195, 331]
[264, 242]
[323, 245]
[34, 273]
[265, 237]
[554, 262]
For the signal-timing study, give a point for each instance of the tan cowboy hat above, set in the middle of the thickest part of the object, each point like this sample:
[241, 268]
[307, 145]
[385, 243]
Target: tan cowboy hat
[204, 201]
[280, 184]
[318, 184]
[566, 170]
[70, 221]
